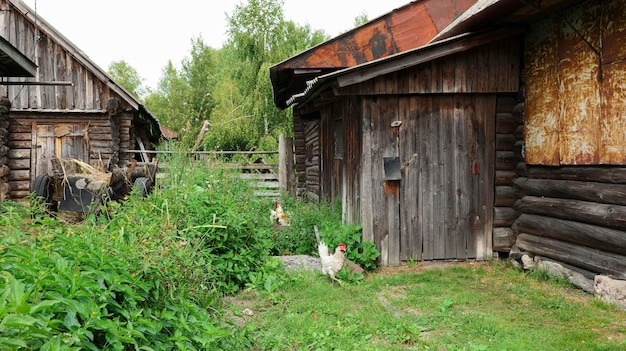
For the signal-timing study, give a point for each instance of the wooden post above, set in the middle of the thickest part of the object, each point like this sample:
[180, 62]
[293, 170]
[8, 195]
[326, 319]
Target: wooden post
[205, 127]
[282, 164]
[291, 175]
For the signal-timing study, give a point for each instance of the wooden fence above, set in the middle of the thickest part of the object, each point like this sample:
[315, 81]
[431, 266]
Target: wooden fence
[270, 179]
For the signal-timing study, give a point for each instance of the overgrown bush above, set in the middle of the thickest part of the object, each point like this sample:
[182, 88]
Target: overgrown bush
[145, 274]
[81, 287]
[149, 273]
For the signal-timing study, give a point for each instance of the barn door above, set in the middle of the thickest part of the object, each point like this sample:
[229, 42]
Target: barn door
[446, 194]
[440, 204]
[61, 141]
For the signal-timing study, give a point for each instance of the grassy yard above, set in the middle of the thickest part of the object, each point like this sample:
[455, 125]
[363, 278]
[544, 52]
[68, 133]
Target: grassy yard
[469, 306]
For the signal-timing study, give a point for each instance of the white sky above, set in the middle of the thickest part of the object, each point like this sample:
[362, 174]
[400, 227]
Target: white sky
[149, 33]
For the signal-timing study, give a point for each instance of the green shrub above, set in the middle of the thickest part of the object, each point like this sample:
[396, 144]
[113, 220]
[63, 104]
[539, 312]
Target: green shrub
[75, 287]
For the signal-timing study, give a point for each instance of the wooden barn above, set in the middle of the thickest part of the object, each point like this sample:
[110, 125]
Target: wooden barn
[69, 107]
[501, 132]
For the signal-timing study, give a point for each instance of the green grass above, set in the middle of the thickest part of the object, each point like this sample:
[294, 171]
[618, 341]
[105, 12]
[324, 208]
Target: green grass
[162, 272]
[480, 306]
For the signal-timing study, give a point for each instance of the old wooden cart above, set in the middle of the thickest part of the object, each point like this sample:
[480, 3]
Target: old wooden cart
[79, 187]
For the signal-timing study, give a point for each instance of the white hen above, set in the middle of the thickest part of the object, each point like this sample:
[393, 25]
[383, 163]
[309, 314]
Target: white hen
[331, 264]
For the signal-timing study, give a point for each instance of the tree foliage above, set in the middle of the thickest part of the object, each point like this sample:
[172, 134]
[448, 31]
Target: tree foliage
[127, 77]
[230, 86]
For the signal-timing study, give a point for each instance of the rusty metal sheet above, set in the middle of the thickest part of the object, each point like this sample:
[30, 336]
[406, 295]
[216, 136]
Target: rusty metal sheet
[541, 124]
[405, 28]
[441, 11]
[579, 86]
[614, 43]
[613, 122]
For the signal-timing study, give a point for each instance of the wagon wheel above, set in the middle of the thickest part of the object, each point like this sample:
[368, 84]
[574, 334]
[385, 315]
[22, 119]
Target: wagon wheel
[43, 190]
[143, 185]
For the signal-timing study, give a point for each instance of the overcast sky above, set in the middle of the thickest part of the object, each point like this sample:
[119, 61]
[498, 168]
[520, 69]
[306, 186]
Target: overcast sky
[148, 33]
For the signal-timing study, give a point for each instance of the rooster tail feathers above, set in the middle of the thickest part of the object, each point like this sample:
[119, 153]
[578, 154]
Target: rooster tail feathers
[321, 247]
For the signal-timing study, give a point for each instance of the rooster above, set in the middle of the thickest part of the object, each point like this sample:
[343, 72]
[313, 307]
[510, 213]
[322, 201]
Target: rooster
[331, 264]
[278, 216]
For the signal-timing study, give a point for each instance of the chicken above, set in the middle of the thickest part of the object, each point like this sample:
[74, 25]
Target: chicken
[278, 216]
[331, 264]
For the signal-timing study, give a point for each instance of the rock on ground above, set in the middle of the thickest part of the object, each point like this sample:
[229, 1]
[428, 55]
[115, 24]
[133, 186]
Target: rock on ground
[611, 290]
[301, 262]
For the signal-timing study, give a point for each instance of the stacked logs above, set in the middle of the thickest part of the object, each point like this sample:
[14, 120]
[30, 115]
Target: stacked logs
[575, 215]
[509, 159]
[114, 119]
[5, 106]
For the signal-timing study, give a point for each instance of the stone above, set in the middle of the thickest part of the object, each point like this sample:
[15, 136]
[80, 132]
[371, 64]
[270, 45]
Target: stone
[528, 262]
[611, 290]
[557, 270]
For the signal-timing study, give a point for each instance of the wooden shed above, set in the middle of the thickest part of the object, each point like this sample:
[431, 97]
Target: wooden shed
[71, 108]
[503, 131]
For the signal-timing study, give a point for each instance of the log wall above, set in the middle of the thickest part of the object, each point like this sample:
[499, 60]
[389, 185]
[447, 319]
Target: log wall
[5, 106]
[575, 215]
[509, 135]
[101, 145]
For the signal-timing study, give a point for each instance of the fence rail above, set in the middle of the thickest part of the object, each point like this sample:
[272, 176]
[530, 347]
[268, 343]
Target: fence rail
[269, 179]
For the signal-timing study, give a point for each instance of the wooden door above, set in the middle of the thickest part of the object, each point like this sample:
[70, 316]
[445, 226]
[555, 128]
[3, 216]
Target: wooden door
[442, 208]
[64, 141]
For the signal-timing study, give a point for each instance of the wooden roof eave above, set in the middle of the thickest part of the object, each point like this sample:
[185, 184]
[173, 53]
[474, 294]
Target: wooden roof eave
[14, 63]
[426, 53]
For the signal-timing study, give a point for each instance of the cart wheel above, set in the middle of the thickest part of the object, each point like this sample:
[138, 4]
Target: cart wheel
[43, 189]
[143, 185]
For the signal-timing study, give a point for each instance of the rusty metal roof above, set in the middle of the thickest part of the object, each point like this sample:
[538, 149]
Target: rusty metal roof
[394, 63]
[490, 13]
[402, 29]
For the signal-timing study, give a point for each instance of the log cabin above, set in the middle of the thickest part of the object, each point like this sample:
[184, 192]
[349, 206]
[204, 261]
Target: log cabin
[504, 132]
[68, 108]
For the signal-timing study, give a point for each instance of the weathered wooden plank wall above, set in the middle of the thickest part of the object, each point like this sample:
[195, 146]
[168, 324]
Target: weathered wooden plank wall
[491, 68]
[63, 120]
[446, 114]
[55, 63]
